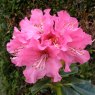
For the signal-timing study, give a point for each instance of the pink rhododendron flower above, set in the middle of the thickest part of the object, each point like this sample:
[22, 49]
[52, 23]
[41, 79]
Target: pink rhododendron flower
[44, 40]
[39, 62]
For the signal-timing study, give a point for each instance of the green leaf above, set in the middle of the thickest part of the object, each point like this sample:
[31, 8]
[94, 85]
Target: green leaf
[84, 88]
[74, 70]
[39, 86]
[69, 91]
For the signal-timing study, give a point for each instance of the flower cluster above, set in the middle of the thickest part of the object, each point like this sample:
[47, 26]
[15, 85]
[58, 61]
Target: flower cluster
[45, 41]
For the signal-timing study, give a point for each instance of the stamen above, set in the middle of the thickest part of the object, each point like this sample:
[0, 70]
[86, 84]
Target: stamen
[93, 40]
[56, 45]
[78, 52]
[69, 26]
[55, 42]
[17, 50]
[40, 26]
[40, 64]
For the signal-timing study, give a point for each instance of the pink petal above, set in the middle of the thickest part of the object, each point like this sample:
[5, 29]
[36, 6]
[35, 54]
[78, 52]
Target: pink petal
[29, 29]
[83, 57]
[32, 75]
[12, 47]
[36, 16]
[26, 57]
[68, 59]
[80, 39]
[52, 69]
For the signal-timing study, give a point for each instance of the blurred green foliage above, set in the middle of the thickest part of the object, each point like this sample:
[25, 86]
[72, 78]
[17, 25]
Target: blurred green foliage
[12, 11]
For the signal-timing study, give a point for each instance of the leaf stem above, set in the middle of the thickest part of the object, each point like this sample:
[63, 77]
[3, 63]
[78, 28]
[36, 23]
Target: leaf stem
[58, 91]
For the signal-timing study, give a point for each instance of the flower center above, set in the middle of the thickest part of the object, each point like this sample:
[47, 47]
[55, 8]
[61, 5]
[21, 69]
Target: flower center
[53, 39]
[40, 63]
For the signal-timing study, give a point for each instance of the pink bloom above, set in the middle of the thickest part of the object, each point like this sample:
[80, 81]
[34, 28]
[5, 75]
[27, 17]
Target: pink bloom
[44, 40]
[65, 22]
[39, 62]
[27, 27]
[38, 24]
[49, 67]
[44, 22]
[75, 51]
[74, 40]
